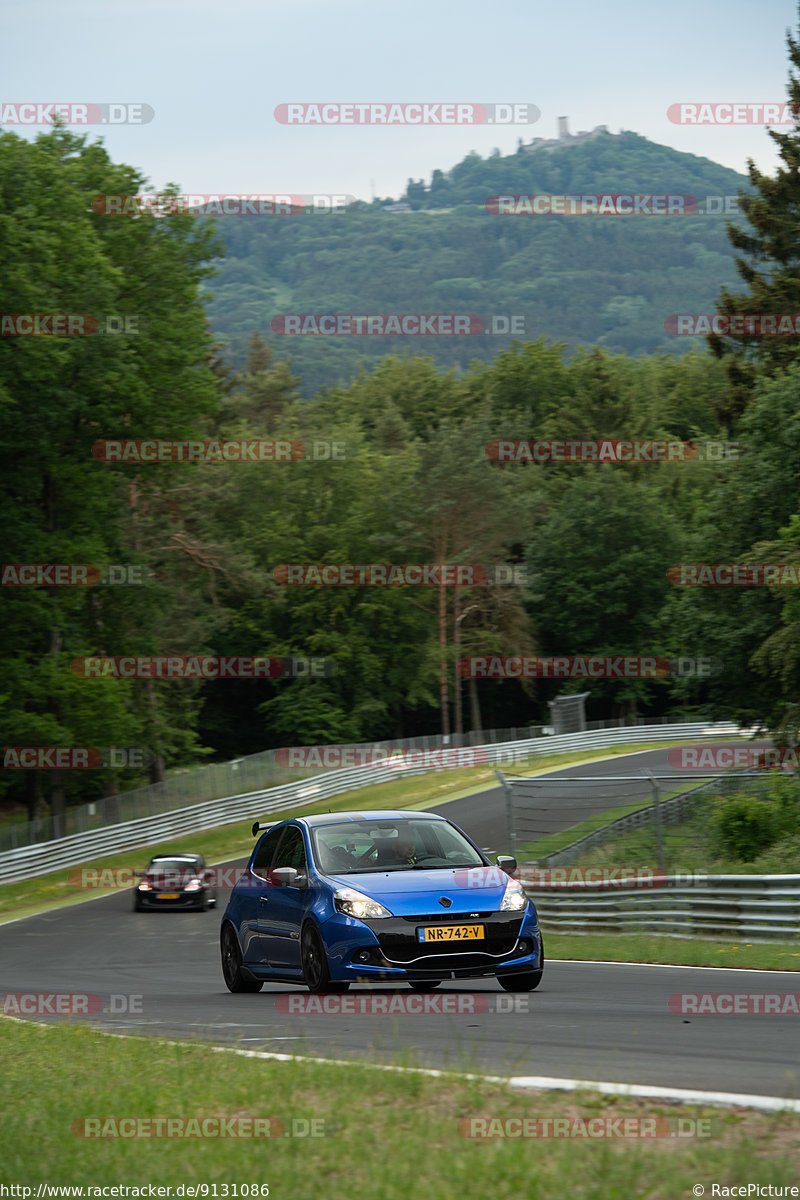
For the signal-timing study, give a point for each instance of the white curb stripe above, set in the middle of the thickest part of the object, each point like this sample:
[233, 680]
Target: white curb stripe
[651, 1091]
[640, 1091]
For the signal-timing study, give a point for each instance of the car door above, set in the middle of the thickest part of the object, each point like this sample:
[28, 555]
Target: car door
[281, 909]
[250, 889]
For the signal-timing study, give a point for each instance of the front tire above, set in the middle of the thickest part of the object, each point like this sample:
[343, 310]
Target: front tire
[316, 971]
[527, 981]
[235, 980]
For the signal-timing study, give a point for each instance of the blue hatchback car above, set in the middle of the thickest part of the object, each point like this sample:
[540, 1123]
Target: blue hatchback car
[396, 897]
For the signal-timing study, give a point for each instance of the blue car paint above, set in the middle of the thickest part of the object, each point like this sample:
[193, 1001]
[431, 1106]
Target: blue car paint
[271, 930]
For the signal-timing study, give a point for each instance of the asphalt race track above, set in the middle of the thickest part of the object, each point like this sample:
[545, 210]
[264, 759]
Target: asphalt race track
[159, 973]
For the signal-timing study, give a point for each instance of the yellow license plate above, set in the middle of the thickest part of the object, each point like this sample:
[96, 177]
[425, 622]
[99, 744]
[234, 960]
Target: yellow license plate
[450, 933]
[168, 896]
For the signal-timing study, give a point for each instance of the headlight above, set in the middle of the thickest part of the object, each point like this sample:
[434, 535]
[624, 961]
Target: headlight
[356, 904]
[145, 887]
[514, 897]
[193, 885]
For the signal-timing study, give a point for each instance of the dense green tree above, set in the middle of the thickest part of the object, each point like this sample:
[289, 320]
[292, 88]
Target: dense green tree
[768, 262]
[599, 560]
[61, 395]
[750, 500]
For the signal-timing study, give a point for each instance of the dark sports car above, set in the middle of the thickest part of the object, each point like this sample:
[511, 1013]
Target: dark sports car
[397, 897]
[175, 881]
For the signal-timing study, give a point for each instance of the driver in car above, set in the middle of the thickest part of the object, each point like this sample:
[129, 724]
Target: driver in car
[406, 849]
[399, 853]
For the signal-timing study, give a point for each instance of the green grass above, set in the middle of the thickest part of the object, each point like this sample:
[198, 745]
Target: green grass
[387, 1135]
[689, 849]
[692, 952]
[553, 842]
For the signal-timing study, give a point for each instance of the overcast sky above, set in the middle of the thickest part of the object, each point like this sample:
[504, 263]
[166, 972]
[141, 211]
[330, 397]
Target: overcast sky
[214, 72]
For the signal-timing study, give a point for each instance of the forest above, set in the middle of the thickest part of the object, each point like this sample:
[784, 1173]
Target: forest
[392, 459]
[610, 281]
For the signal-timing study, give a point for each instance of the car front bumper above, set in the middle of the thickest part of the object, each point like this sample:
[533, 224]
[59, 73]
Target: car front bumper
[184, 900]
[390, 949]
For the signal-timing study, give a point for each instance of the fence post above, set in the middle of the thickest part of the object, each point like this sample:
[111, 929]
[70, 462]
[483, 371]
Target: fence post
[657, 822]
[512, 833]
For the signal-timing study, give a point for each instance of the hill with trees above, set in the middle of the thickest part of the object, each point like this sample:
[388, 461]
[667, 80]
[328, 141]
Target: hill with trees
[607, 280]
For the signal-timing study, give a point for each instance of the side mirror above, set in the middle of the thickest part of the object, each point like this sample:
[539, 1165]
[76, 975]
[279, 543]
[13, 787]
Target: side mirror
[139, 874]
[506, 863]
[288, 877]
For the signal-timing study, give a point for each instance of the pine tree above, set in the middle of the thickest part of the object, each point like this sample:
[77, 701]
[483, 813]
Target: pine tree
[769, 261]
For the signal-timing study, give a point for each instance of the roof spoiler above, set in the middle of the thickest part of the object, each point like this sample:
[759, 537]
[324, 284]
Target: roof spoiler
[257, 827]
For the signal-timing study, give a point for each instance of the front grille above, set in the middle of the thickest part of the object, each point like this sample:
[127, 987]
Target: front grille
[417, 951]
[398, 940]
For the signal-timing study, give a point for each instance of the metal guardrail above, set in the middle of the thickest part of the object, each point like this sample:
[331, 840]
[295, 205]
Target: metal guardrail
[27, 862]
[760, 908]
[253, 772]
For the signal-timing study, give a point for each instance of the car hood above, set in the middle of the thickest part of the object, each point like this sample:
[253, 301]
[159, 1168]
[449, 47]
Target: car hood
[473, 889]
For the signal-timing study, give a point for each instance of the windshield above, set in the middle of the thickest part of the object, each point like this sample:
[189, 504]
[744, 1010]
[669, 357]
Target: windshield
[359, 847]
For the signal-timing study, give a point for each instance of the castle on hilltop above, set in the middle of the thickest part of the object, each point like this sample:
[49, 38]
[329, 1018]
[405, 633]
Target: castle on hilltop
[565, 138]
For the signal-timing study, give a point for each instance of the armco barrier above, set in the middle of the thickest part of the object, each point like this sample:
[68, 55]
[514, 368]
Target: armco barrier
[758, 908]
[251, 773]
[27, 862]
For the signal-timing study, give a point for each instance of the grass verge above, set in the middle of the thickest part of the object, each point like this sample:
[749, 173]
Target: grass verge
[691, 847]
[553, 842]
[387, 1135]
[690, 952]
